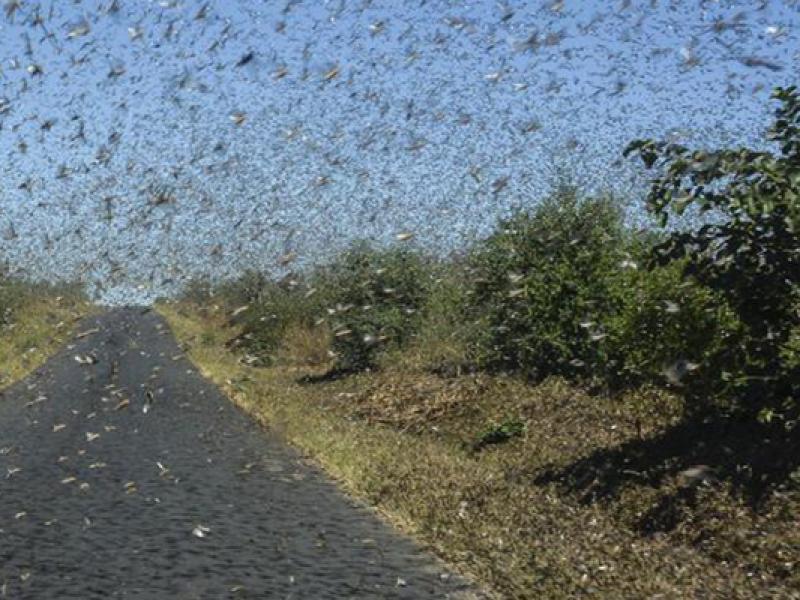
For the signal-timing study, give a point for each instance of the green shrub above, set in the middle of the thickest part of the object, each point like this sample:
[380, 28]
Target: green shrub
[373, 300]
[667, 331]
[748, 252]
[546, 283]
[498, 434]
[445, 331]
[563, 290]
[273, 308]
[197, 291]
[245, 289]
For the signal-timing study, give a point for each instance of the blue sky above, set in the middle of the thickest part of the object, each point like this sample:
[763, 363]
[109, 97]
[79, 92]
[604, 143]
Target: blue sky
[361, 119]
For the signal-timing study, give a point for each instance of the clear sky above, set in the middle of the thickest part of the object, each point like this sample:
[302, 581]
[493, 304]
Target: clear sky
[270, 126]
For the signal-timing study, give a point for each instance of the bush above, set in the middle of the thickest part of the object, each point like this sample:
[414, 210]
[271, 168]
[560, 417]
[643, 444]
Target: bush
[247, 288]
[197, 291]
[665, 330]
[444, 334]
[748, 252]
[563, 291]
[546, 283]
[273, 308]
[373, 299]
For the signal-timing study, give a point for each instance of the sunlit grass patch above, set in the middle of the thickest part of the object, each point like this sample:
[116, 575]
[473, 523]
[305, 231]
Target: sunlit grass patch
[521, 516]
[37, 322]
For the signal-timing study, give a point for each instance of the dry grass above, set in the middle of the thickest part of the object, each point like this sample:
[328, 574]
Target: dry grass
[399, 440]
[305, 346]
[38, 327]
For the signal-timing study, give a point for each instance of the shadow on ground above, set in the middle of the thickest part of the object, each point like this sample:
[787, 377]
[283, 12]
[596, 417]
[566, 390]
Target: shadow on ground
[754, 458]
[329, 375]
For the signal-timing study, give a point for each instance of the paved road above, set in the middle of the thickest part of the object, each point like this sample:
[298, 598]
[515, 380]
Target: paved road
[100, 498]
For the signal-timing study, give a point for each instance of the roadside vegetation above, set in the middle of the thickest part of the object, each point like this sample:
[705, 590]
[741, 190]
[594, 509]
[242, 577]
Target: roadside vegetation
[570, 407]
[35, 320]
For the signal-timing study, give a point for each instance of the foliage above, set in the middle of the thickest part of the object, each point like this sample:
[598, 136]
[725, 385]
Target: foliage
[664, 324]
[748, 250]
[272, 309]
[197, 291]
[445, 331]
[246, 288]
[545, 283]
[373, 297]
[305, 345]
[568, 289]
[498, 434]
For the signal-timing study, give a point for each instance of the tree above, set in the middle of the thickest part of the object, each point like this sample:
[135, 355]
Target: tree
[747, 248]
